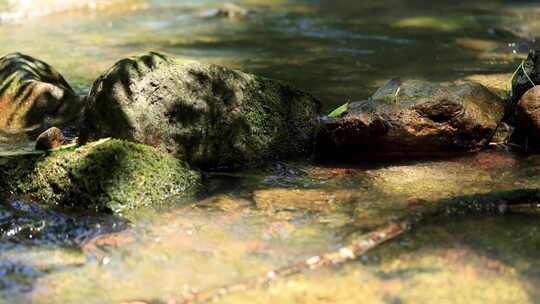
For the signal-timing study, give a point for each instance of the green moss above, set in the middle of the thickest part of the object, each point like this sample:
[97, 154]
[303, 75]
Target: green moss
[281, 119]
[108, 174]
[263, 112]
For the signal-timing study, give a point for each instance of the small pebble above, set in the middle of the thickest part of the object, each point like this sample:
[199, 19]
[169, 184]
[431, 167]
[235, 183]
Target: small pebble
[50, 139]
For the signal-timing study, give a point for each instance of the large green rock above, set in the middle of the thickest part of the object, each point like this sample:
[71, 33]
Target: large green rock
[412, 118]
[108, 174]
[209, 115]
[33, 94]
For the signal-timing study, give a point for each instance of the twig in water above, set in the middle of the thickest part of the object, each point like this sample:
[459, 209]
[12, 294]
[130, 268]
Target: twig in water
[354, 249]
[528, 200]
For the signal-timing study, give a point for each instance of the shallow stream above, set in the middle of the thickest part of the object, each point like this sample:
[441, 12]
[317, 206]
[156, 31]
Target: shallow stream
[249, 223]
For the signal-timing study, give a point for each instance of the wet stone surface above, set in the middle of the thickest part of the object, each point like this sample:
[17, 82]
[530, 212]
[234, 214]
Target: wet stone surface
[408, 118]
[51, 138]
[247, 223]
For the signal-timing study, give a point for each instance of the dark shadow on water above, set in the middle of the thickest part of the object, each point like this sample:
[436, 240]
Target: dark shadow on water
[26, 227]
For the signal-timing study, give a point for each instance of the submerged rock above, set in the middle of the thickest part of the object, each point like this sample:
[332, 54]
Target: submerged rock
[32, 93]
[211, 116]
[527, 122]
[414, 117]
[103, 175]
[497, 83]
[51, 138]
[227, 11]
[276, 199]
[522, 82]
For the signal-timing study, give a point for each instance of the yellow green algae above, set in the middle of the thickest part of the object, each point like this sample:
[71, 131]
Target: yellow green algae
[107, 174]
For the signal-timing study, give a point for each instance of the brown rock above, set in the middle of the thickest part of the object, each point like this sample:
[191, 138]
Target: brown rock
[32, 93]
[413, 118]
[50, 139]
[528, 119]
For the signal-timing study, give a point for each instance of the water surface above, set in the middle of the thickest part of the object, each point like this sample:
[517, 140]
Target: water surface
[249, 223]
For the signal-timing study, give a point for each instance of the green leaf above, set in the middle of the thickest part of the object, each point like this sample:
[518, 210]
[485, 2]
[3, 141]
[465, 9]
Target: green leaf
[339, 111]
[64, 147]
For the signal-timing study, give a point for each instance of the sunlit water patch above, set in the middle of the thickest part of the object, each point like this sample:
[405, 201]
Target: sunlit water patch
[248, 223]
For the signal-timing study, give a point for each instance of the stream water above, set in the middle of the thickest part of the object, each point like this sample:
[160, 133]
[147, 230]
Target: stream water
[249, 223]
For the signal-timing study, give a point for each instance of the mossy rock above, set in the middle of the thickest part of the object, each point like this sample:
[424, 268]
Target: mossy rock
[414, 118]
[103, 175]
[211, 116]
[33, 94]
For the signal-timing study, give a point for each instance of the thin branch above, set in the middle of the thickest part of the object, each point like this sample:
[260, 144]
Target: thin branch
[356, 248]
[528, 200]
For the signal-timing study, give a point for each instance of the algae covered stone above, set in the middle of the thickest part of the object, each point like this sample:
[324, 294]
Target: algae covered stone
[209, 115]
[33, 94]
[108, 174]
[414, 117]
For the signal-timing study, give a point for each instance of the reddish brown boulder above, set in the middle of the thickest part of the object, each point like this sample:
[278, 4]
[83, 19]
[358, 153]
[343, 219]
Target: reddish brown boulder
[413, 118]
[528, 119]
